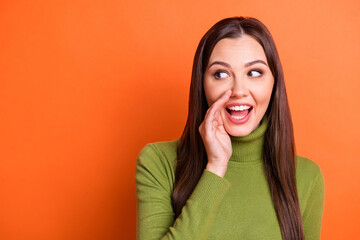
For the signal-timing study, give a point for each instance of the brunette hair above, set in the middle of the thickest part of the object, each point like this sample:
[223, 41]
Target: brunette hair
[278, 150]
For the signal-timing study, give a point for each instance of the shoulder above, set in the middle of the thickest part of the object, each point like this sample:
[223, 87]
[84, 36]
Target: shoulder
[307, 169]
[310, 180]
[156, 163]
[158, 152]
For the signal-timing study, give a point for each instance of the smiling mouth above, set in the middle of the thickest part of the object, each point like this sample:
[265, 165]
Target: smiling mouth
[239, 112]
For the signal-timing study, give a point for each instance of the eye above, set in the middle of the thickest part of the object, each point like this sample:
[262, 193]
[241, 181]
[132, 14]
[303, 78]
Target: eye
[220, 74]
[255, 73]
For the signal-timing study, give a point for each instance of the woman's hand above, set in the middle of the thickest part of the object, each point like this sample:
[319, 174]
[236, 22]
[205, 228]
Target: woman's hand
[216, 140]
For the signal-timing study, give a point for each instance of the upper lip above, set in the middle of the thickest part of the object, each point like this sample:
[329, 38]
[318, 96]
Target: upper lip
[238, 104]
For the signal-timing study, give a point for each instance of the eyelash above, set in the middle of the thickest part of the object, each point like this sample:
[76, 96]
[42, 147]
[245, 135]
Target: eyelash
[219, 72]
[255, 70]
[249, 73]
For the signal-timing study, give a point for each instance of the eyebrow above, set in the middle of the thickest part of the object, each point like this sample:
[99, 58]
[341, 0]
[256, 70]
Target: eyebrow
[254, 62]
[220, 63]
[246, 64]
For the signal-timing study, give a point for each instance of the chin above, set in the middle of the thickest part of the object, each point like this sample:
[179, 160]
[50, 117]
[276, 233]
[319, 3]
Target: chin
[238, 131]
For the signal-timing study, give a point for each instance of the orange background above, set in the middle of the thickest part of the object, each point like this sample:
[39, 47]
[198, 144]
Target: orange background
[86, 84]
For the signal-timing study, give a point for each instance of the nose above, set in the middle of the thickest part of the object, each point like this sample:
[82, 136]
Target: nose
[239, 88]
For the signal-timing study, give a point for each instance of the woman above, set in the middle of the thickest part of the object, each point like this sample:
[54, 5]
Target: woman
[233, 174]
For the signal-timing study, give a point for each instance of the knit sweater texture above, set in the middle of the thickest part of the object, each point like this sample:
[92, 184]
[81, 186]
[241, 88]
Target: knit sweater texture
[238, 206]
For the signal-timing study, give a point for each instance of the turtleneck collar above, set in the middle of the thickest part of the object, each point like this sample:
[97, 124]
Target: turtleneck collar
[249, 149]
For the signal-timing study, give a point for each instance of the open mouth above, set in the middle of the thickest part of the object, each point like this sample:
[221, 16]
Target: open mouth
[239, 112]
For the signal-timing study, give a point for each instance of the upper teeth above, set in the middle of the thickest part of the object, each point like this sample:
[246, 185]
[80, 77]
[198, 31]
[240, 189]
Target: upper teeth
[239, 108]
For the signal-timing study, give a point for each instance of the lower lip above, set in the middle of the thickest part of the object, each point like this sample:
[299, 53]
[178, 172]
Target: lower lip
[239, 121]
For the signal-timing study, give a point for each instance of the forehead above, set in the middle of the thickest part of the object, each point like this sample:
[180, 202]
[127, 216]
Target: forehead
[238, 50]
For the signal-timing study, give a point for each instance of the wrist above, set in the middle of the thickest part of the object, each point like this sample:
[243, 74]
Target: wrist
[218, 169]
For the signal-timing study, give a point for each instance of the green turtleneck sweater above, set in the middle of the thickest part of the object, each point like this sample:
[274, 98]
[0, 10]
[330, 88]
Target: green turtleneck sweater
[238, 206]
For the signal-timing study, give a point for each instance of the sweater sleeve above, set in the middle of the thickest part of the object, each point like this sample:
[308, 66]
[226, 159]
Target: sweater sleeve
[155, 215]
[312, 216]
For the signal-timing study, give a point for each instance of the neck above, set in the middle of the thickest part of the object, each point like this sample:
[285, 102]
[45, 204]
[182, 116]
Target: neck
[249, 148]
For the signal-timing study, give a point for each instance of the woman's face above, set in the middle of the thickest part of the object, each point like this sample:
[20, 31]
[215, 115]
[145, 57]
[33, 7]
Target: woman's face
[239, 64]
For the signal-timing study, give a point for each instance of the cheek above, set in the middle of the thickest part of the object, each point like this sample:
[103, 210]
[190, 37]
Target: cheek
[267, 93]
[212, 92]
[263, 95]
[210, 97]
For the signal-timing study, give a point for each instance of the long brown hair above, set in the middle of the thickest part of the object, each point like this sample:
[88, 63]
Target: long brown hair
[279, 149]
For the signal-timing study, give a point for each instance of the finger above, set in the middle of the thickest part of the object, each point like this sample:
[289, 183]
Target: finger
[213, 111]
[222, 100]
[201, 127]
